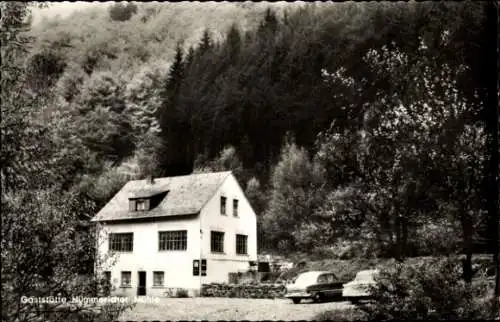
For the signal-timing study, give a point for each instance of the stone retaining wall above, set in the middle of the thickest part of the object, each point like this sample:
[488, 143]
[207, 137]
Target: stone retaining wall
[254, 291]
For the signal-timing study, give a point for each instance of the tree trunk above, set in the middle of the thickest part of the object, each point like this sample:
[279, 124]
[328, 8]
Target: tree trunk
[399, 244]
[404, 237]
[467, 268]
[467, 227]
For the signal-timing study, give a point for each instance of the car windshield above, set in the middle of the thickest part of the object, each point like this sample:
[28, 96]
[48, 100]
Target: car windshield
[365, 276]
[307, 278]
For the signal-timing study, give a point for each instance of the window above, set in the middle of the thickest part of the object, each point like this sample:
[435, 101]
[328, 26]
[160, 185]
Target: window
[196, 267]
[331, 278]
[140, 205]
[223, 205]
[217, 241]
[172, 240]
[158, 278]
[241, 244]
[126, 279]
[327, 278]
[235, 207]
[123, 242]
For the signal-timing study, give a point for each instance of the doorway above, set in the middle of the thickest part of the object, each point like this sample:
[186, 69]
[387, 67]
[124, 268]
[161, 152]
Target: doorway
[141, 286]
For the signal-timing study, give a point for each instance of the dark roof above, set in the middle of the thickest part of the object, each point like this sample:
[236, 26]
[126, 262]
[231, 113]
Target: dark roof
[186, 195]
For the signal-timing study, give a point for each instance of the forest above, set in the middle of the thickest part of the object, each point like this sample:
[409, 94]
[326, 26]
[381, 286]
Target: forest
[355, 129]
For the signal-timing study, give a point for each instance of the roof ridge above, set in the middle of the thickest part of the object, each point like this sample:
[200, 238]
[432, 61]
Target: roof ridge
[185, 175]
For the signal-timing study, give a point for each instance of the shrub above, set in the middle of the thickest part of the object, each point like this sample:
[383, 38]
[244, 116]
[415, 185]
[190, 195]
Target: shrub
[270, 277]
[431, 289]
[351, 314]
[182, 293]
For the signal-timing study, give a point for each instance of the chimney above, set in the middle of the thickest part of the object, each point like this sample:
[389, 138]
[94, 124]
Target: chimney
[150, 179]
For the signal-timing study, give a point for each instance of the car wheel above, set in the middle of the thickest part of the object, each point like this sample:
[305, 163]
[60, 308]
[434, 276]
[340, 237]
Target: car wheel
[354, 301]
[318, 297]
[296, 300]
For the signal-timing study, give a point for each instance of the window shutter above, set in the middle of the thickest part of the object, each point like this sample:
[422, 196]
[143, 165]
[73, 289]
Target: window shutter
[203, 267]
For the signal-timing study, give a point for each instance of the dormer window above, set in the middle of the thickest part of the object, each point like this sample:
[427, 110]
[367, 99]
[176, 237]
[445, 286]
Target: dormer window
[145, 199]
[140, 205]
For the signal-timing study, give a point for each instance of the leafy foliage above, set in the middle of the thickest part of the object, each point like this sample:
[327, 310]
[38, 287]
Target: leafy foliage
[426, 290]
[407, 129]
[296, 192]
[47, 245]
[122, 12]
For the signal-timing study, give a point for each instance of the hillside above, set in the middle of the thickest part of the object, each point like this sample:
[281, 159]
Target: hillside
[302, 101]
[151, 34]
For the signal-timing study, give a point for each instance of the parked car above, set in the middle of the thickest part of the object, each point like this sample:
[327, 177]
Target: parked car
[359, 288]
[316, 285]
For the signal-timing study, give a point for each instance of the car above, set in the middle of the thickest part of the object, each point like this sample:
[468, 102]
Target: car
[315, 285]
[359, 288]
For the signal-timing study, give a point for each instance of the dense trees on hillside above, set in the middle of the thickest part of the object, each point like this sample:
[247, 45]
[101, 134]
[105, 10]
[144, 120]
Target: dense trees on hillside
[412, 92]
[357, 124]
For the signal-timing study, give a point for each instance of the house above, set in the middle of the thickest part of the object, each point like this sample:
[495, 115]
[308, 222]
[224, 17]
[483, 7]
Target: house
[159, 235]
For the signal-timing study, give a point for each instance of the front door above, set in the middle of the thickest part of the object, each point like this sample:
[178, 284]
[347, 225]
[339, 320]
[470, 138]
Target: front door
[141, 286]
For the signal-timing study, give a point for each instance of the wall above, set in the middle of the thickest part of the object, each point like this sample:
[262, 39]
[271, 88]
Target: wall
[267, 291]
[220, 265]
[177, 265]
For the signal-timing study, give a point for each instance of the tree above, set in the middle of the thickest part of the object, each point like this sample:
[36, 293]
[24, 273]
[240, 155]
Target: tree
[233, 41]
[45, 68]
[296, 185]
[45, 244]
[143, 100]
[256, 196]
[69, 84]
[406, 131]
[269, 24]
[22, 147]
[189, 58]
[205, 42]
[101, 121]
[227, 160]
[122, 12]
[174, 129]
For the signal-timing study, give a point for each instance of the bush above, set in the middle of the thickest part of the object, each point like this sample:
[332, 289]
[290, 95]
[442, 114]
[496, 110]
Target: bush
[270, 277]
[431, 289]
[351, 314]
[182, 293]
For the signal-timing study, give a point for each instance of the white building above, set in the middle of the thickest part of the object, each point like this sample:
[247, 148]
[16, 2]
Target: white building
[159, 235]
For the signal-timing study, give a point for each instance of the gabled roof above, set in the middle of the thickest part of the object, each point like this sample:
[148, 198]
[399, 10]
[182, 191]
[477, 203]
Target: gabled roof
[185, 195]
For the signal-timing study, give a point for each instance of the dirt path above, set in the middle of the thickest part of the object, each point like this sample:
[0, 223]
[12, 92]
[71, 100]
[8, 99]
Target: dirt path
[228, 309]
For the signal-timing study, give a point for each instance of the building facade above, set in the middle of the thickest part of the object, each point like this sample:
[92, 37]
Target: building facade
[159, 236]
